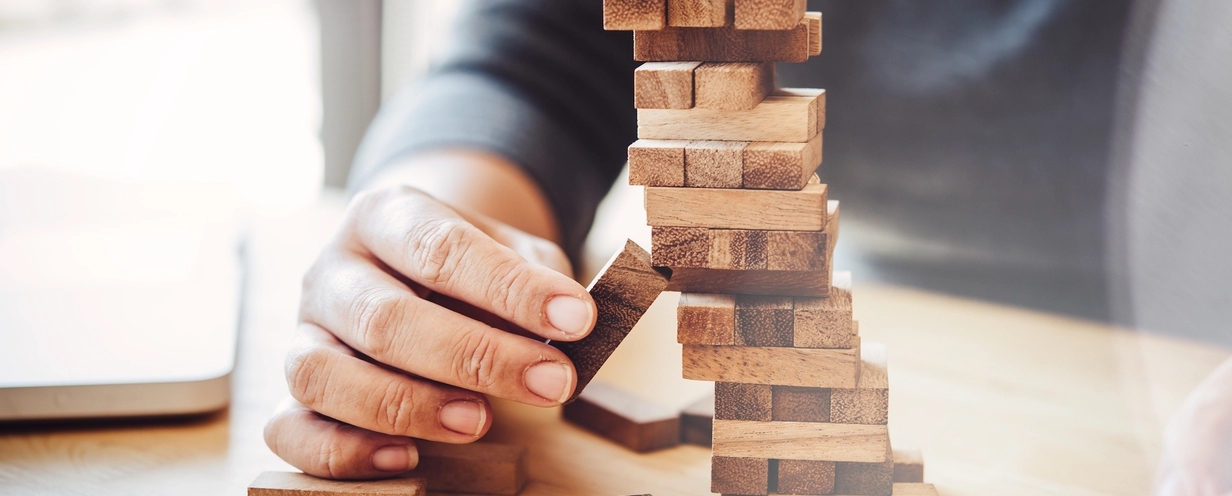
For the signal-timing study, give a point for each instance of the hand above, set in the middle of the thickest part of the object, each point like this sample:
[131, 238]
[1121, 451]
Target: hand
[1198, 446]
[411, 315]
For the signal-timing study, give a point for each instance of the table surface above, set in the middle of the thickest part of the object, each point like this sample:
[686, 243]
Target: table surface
[1001, 400]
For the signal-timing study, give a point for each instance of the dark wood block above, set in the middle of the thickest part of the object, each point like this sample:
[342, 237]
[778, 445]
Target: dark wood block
[805, 477]
[680, 246]
[299, 484]
[484, 468]
[755, 282]
[628, 15]
[725, 44]
[801, 404]
[729, 475]
[738, 401]
[626, 419]
[703, 318]
[764, 320]
[769, 14]
[696, 422]
[908, 465]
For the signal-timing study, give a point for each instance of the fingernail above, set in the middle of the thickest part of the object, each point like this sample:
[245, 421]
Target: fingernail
[395, 458]
[464, 417]
[550, 380]
[569, 315]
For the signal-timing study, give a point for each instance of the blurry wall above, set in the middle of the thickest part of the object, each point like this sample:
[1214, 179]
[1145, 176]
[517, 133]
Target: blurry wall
[350, 79]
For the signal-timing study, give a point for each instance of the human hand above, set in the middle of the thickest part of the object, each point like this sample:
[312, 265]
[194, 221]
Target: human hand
[1197, 456]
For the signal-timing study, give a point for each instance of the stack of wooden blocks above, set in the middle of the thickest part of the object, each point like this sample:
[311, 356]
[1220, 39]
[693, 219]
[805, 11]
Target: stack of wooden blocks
[738, 215]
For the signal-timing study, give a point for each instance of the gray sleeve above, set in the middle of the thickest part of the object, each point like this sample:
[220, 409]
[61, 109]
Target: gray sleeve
[536, 81]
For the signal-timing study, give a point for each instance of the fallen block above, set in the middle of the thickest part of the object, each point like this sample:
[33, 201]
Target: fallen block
[664, 85]
[699, 13]
[731, 475]
[482, 467]
[781, 210]
[769, 14]
[793, 115]
[826, 368]
[868, 402]
[800, 404]
[628, 15]
[738, 401]
[805, 477]
[299, 484]
[908, 465]
[624, 418]
[726, 44]
[821, 441]
[703, 318]
[732, 85]
[696, 422]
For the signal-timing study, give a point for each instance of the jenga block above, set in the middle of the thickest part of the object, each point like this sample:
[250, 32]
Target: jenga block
[732, 475]
[826, 322]
[732, 85]
[735, 249]
[298, 484]
[778, 165]
[769, 14]
[864, 478]
[484, 468]
[724, 44]
[623, 418]
[680, 246]
[696, 422]
[778, 366]
[805, 477]
[744, 249]
[764, 320]
[801, 404]
[814, 26]
[714, 164]
[622, 291]
[739, 401]
[803, 210]
[817, 93]
[783, 116]
[699, 13]
[657, 163]
[757, 282]
[664, 85]
[914, 489]
[869, 401]
[801, 441]
[908, 465]
[628, 15]
[703, 318]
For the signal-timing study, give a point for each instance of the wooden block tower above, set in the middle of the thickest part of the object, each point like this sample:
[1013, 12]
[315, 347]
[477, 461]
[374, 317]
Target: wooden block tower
[728, 160]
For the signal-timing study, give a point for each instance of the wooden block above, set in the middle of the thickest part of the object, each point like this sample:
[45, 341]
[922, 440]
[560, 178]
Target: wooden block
[664, 85]
[732, 85]
[801, 441]
[732, 475]
[738, 401]
[699, 13]
[803, 210]
[778, 165]
[622, 291]
[801, 404]
[696, 421]
[777, 366]
[623, 418]
[914, 489]
[628, 15]
[680, 246]
[764, 320]
[805, 477]
[865, 479]
[703, 318]
[298, 484]
[714, 164]
[814, 29]
[724, 44]
[734, 249]
[742, 249]
[657, 163]
[483, 468]
[769, 14]
[816, 93]
[869, 401]
[908, 465]
[826, 322]
[758, 282]
[783, 116]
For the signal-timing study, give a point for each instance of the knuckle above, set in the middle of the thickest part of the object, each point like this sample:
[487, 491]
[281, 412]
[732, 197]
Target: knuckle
[397, 414]
[513, 278]
[378, 314]
[307, 371]
[477, 362]
[332, 458]
[438, 248]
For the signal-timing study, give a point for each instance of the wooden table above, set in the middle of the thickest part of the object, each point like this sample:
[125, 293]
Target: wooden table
[1002, 400]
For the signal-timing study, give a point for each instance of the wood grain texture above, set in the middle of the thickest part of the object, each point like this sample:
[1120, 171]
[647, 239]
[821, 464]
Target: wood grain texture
[803, 210]
[482, 467]
[696, 422]
[764, 320]
[801, 441]
[714, 164]
[734, 475]
[914, 489]
[699, 13]
[869, 401]
[756, 282]
[776, 366]
[706, 318]
[724, 44]
[732, 85]
[657, 162]
[664, 85]
[769, 14]
[804, 477]
[622, 291]
[741, 249]
[735, 249]
[908, 465]
[865, 479]
[629, 15]
[624, 418]
[786, 115]
[779, 165]
[814, 28]
[800, 404]
[680, 246]
[299, 484]
[739, 401]
[826, 322]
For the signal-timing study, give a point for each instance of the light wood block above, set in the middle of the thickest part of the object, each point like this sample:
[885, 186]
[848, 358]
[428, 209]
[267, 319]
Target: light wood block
[626, 419]
[764, 320]
[629, 15]
[714, 164]
[657, 163]
[826, 322]
[704, 318]
[739, 401]
[914, 489]
[696, 422]
[622, 291]
[779, 165]
[757, 282]
[724, 44]
[769, 14]
[299, 484]
[777, 366]
[800, 404]
[786, 115]
[736, 249]
[869, 401]
[733, 475]
[805, 477]
[732, 85]
[865, 479]
[664, 85]
[483, 467]
[775, 210]
[908, 465]
[814, 26]
[699, 13]
[801, 441]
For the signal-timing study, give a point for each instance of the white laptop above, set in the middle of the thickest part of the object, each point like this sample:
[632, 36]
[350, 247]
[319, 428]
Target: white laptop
[117, 298]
